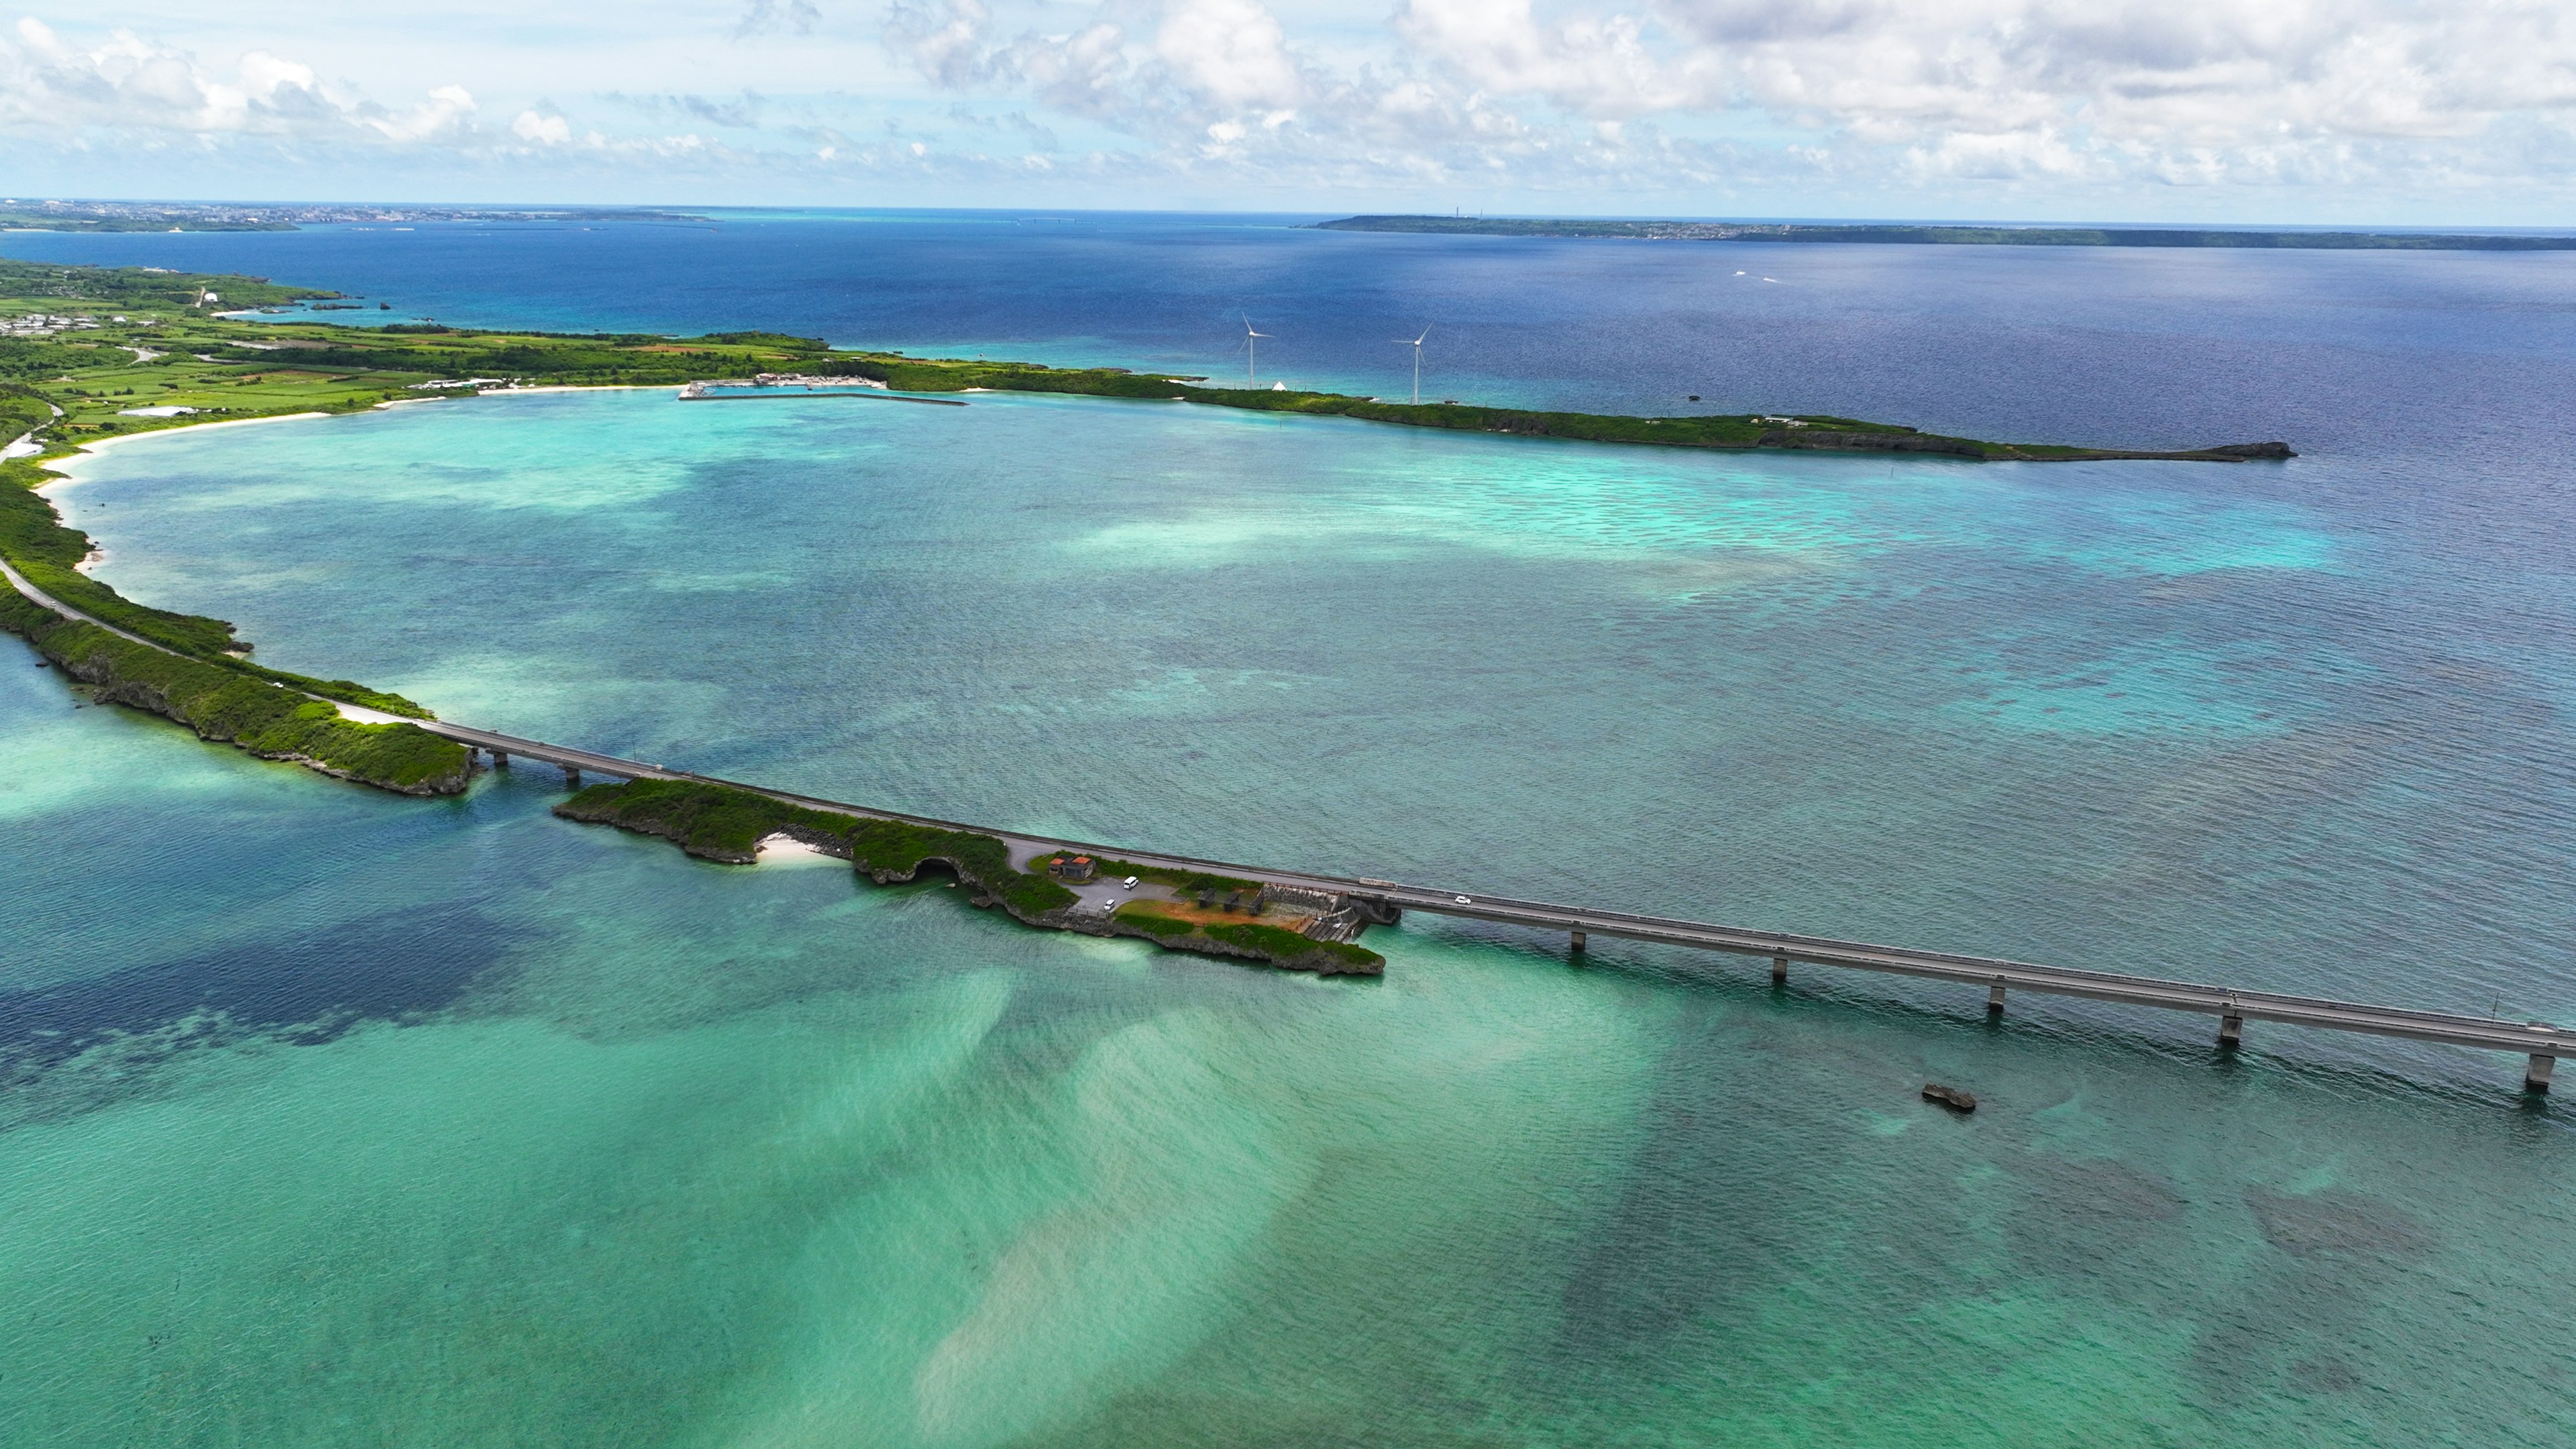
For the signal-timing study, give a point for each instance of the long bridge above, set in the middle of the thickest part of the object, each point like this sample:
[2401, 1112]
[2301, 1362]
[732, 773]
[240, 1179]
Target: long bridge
[2539, 1043]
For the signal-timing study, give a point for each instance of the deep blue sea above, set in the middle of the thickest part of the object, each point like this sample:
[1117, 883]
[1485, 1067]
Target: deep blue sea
[328, 1117]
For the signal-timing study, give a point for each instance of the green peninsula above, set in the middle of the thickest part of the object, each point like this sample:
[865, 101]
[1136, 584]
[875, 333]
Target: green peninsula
[166, 362]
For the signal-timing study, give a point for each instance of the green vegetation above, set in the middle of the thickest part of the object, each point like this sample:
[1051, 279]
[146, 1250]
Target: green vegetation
[1989, 236]
[722, 822]
[1278, 941]
[1275, 944]
[22, 410]
[713, 822]
[221, 704]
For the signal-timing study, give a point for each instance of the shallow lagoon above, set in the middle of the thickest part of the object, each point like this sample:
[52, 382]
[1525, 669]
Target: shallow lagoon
[369, 1120]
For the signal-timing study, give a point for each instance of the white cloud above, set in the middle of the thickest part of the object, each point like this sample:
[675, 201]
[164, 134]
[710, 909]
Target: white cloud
[1596, 64]
[1696, 103]
[2183, 88]
[542, 130]
[131, 84]
[1230, 53]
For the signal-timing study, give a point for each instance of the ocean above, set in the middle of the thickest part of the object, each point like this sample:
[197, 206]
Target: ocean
[337, 1118]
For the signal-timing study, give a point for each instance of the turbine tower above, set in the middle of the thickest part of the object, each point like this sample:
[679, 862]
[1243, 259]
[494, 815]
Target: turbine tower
[1250, 377]
[1416, 344]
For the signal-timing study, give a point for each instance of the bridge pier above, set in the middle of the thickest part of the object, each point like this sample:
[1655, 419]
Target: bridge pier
[2231, 1032]
[1995, 999]
[572, 778]
[500, 759]
[2535, 1078]
[1779, 970]
[1577, 945]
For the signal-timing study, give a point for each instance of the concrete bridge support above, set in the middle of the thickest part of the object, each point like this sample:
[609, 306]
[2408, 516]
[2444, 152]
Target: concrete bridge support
[1779, 970]
[2231, 1032]
[1995, 998]
[572, 778]
[2535, 1078]
[500, 759]
[1577, 946]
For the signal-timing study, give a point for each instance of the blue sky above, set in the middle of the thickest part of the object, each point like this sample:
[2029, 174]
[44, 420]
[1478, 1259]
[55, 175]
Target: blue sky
[2292, 111]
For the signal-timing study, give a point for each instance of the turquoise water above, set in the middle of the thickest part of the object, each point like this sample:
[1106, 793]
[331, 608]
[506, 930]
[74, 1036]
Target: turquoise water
[334, 1118]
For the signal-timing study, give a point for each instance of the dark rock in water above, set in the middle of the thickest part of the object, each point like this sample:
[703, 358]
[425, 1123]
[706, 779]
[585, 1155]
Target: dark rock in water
[1950, 1097]
[2256, 450]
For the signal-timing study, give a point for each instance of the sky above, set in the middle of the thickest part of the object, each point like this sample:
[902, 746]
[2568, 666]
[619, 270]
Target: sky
[2221, 111]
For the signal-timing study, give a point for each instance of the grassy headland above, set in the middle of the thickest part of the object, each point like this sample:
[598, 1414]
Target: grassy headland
[269, 720]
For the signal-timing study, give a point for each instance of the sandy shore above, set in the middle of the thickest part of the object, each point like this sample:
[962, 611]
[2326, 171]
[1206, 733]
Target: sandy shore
[787, 850]
[63, 467]
[66, 476]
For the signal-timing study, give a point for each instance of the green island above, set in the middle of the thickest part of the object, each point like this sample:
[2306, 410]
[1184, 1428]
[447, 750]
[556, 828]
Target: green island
[1974, 236]
[725, 823]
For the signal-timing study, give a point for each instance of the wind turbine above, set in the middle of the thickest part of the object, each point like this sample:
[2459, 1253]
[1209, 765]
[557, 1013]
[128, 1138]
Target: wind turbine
[1250, 379]
[1416, 345]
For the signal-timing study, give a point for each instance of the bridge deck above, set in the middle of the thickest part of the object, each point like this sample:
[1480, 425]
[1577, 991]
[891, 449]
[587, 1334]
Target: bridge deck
[2220, 1001]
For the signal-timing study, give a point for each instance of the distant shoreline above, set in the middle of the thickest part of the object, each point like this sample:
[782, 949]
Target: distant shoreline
[1998, 236]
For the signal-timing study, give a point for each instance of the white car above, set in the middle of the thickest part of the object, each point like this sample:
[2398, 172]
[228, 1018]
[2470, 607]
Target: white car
[1129, 883]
